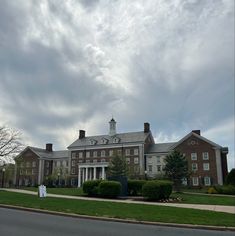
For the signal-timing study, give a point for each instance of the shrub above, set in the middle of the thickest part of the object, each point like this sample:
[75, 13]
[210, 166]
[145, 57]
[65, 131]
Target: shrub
[212, 190]
[135, 187]
[109, 189]
[90, 187]
[157, 190]
[225, 189]
[230, 179]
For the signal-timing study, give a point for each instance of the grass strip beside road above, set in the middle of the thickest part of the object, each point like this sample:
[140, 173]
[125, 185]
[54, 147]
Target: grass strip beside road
[120, 210]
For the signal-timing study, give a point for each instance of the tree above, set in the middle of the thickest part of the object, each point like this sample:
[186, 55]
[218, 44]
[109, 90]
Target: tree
[176, 168]
[230, 179]
[117, 166]
[10, 144]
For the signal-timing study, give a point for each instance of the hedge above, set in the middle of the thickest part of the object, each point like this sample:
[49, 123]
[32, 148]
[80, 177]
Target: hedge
[90, 187]
[110, 189]
[135, 187]
[230, 179]
[225, 189]
[157, 190]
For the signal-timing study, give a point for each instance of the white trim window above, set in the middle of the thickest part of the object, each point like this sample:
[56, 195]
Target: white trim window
[158, 159]
[110, 153]
[136, 151]
[95, 154]
[150, 168]
[195, 181]
[194, 167]
[128, 160]
[73, 163]
[88, 154]
[136, 160]
[119, 152]
[103, 153]
[205, 156]
[80, 155]
[206, 166]
[127, 152]
[193, 156]
[207, 181]
[73, 155]
[27, 164]
[34, 164]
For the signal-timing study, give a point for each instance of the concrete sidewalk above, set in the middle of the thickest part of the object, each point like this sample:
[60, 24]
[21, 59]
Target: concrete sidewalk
[218, 208]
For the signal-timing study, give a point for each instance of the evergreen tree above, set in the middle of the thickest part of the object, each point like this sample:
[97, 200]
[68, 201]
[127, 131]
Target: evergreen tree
[117, 166]
[176, 168]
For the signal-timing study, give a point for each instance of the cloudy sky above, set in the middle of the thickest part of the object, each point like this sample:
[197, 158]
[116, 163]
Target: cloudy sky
[70, 65]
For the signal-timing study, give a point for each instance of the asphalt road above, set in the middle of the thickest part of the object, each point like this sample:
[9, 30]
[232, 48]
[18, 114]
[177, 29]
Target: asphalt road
[18, 222]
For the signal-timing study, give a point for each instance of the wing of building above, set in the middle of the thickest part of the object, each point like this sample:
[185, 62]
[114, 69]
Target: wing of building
[88, 158]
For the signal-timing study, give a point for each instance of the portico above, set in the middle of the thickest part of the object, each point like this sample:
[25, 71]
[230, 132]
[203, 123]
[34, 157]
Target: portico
[91, 171]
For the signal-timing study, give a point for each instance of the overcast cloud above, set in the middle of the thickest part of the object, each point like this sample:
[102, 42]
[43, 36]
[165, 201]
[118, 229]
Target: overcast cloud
[70, 65]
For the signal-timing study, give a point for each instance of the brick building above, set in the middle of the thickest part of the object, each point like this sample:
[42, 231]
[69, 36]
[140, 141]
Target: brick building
[88, 157]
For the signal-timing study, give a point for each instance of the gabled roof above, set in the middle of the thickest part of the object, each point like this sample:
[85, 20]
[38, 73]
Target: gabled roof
[160, 148]
[197, 136]
[43, 153]
[131, 137]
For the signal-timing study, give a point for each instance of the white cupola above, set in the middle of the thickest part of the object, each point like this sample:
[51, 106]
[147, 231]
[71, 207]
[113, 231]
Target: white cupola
[112, 127]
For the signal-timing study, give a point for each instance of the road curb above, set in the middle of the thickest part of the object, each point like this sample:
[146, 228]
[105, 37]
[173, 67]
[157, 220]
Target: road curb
[132, 221]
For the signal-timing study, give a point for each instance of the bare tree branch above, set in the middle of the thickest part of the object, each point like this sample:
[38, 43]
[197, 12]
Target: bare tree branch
[10, 142]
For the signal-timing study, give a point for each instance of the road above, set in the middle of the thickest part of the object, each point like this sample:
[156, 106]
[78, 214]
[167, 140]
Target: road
[18, 222]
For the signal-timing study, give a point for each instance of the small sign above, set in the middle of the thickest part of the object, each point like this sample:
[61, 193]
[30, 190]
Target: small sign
[42, 191]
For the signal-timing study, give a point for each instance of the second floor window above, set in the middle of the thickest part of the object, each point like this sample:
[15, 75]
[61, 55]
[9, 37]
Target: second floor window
[136, 160]
[127, 152]
[73, 163]
[206, 166]
[103, 153]
[95, 154]
[194, 156]
[136, 151]
[88, 154]
[194, 166]
[205, 156]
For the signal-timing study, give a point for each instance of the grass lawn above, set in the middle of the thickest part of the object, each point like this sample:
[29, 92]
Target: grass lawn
[61, 191]
[186, 198]
[120, 210]
[205, 199]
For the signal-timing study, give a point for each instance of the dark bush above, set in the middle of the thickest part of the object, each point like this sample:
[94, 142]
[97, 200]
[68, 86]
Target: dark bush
[110, 189]
[90, 187]
[230, 179]
[135, 187]
[225, 189]
[157, 190]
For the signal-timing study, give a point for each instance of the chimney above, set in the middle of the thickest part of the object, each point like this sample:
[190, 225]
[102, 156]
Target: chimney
[197, 131]
[82, 134]
[146, 127]
[49, 147]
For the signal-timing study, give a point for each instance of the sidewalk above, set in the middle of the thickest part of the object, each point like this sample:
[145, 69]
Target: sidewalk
[217, 208]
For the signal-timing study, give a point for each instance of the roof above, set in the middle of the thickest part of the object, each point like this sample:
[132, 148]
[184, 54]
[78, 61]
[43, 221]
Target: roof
[43, 153]
[197, 136]
[131, 137]
[161, 147]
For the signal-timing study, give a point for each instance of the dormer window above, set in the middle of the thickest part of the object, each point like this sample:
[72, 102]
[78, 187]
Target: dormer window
[116, 140]
[92, 141]
[104, 141]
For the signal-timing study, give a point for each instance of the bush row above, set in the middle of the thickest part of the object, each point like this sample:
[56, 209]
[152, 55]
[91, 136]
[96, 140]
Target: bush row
[110, 189]
[225, 189]
[150, 190]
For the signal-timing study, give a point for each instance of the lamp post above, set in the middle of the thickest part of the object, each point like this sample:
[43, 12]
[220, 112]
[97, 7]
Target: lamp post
[145, 174]
[58, 179]
[3, 175]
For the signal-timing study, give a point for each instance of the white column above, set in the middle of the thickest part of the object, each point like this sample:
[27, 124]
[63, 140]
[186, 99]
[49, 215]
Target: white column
[94, 173]
[83, 175]
[79, 177]
[86, 174]
[218, 166]
[39, 172]
[102, 172]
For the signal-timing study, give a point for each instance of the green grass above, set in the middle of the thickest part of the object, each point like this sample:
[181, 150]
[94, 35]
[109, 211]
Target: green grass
[120, 210]
[61, 191]
[205, 199]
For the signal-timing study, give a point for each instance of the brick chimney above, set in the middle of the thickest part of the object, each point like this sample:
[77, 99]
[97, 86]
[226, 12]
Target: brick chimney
[82, 134]
[197, 131]
[49, 147]
[146, 127]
